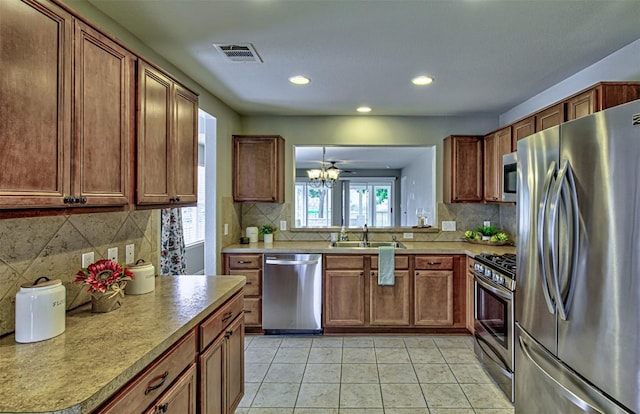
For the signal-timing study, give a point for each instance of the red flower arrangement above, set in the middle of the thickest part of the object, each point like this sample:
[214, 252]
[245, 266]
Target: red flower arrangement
[104, 275]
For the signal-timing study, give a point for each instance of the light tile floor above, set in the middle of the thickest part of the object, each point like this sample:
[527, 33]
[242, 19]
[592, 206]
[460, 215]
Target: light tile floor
[367, 374]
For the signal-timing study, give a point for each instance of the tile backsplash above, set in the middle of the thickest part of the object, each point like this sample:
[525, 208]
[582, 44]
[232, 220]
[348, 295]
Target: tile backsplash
[53, 247]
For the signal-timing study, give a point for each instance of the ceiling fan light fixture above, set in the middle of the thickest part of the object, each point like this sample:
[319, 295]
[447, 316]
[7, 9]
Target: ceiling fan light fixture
[422, 80]
[323, 177]
[299, 80]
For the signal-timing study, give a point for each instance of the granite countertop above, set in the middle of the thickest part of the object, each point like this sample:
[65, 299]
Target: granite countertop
[431, 247]
[100, 352]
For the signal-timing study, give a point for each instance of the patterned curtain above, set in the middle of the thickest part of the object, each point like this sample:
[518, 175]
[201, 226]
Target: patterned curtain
[172, 254]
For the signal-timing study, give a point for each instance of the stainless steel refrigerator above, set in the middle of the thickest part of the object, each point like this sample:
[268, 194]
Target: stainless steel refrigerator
[578, 266]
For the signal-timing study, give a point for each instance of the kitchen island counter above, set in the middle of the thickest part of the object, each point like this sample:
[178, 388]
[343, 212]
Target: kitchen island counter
[298, 246]
[98, 353]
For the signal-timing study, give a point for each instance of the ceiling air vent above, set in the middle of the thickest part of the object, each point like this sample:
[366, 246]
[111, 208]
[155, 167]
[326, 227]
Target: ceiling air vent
[242, 52]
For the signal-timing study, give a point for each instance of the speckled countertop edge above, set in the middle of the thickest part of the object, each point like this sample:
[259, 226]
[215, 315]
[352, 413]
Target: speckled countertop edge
[99, 353]
[430, 247]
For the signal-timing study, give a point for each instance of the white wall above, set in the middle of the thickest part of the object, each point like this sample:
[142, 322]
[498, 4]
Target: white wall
[621, 65]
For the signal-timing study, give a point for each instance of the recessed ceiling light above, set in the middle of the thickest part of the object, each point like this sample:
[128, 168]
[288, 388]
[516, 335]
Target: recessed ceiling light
[363, 109]
[299, 80]
[422, 80]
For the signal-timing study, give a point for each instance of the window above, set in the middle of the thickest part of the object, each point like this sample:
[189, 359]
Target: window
[193, 217]
[312, 205]
[369, 201]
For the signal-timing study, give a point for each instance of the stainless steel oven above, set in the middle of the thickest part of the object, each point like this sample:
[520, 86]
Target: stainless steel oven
[494, 317]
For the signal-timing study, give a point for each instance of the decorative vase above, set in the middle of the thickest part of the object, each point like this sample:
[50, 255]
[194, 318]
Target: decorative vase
[268, 238]
[105, 302]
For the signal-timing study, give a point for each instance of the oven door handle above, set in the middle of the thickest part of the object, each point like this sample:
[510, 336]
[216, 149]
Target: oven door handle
[502, 364]
[493, 289]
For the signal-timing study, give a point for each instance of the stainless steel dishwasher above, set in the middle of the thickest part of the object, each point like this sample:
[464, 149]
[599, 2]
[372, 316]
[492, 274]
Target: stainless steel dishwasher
[292, 293]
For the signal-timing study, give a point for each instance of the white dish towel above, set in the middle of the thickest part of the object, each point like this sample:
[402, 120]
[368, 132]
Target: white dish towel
[386, 265]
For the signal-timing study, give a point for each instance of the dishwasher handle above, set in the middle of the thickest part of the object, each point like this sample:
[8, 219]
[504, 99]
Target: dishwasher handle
[285, 262]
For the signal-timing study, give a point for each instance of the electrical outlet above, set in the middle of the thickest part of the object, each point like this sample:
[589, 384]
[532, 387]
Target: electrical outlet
[129, 251]
[283, 225]
[407, 236]
[226, 229]
[486, 223]
[112, 254]
[448, 226]
[87, 259]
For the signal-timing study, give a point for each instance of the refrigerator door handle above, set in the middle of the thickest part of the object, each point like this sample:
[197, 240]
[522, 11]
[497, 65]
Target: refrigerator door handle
[543, 244]
[565, 177]
[570, 395]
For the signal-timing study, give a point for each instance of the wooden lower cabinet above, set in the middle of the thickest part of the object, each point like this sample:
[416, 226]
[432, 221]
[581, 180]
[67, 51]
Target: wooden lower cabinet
[471, 296]
[222, 371]
[249, 265]
[344, 298]
[434, 297]
[389, 305]
[181, 397]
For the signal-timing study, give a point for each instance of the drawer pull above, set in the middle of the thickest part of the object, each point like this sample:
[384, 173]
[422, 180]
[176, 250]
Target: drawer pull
[228, 334]
[244, 261]
[434, 263]
[249, 283]
[227, 316]
[162, 379]
[248, 311]
[162, 408]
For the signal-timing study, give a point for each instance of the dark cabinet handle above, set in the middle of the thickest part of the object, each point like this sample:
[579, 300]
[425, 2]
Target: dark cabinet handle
[162, 378]
[434, 263]
[227, 316]
[243, 261]
[66, 200]
[162, 408]
[83, 200]
[177, 199]
[249, 283]
[247, 311]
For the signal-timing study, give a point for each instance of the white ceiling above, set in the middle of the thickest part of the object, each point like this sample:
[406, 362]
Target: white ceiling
[360, 157]
[486, 55]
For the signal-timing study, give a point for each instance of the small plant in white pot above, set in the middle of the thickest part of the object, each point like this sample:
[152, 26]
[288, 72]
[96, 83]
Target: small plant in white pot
[266, 231]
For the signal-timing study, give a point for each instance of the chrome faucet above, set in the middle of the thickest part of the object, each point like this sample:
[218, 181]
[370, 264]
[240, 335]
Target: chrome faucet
[365, 236]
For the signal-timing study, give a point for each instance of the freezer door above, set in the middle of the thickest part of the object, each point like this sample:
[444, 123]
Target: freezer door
[537, 168]
[600, 338]
[545, 385]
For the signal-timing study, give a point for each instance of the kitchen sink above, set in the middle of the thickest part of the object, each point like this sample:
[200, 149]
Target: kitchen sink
[359, 244]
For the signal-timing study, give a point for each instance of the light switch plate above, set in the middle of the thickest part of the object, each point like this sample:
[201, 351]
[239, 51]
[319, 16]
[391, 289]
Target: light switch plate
[129, 253]
[112, 254]
[407, 235]
[226, 229]
[487, 223]
[448, 226]
[283, 225]
[87, 259]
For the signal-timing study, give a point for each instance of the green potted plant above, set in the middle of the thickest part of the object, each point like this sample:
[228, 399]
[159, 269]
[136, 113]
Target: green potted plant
[266, 231]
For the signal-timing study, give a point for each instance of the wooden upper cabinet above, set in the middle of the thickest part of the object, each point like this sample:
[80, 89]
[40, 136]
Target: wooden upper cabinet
[103, 115]
[167, 156]
[550, 117]
[258, 168]
[35, 136]
[582, 105]
[602, 96]
[462, 169]
[495, 146]
[522, 129]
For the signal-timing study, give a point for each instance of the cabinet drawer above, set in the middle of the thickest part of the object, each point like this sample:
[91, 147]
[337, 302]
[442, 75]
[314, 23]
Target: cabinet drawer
[253, 311]
[345, 262]
[434, 262]
[152, 382]
[247, 261]
[253, 286]
[215, 324]
[402, 262]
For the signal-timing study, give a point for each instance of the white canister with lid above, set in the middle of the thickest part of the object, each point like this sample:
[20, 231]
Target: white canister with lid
[144, 278]
[252, 234]
[40, 310]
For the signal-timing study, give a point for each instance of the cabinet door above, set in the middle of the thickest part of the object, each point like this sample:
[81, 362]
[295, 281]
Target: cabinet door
[103, 119]
[180, 398]
[344, 298]
[258, 169]
[522, 129]
[184, 148]
[582, 105]
[433, 297]
[496, 145]
[550, 117]
[253, 311]
[463, 170]
[212, 384]
[235, 364]
[389, 305]
[154, 134]
[35, 97]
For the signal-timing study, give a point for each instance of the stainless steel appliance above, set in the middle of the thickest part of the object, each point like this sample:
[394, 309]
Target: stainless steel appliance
[292, 293]
[493, 345]
[578, 260]
[510, 177]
